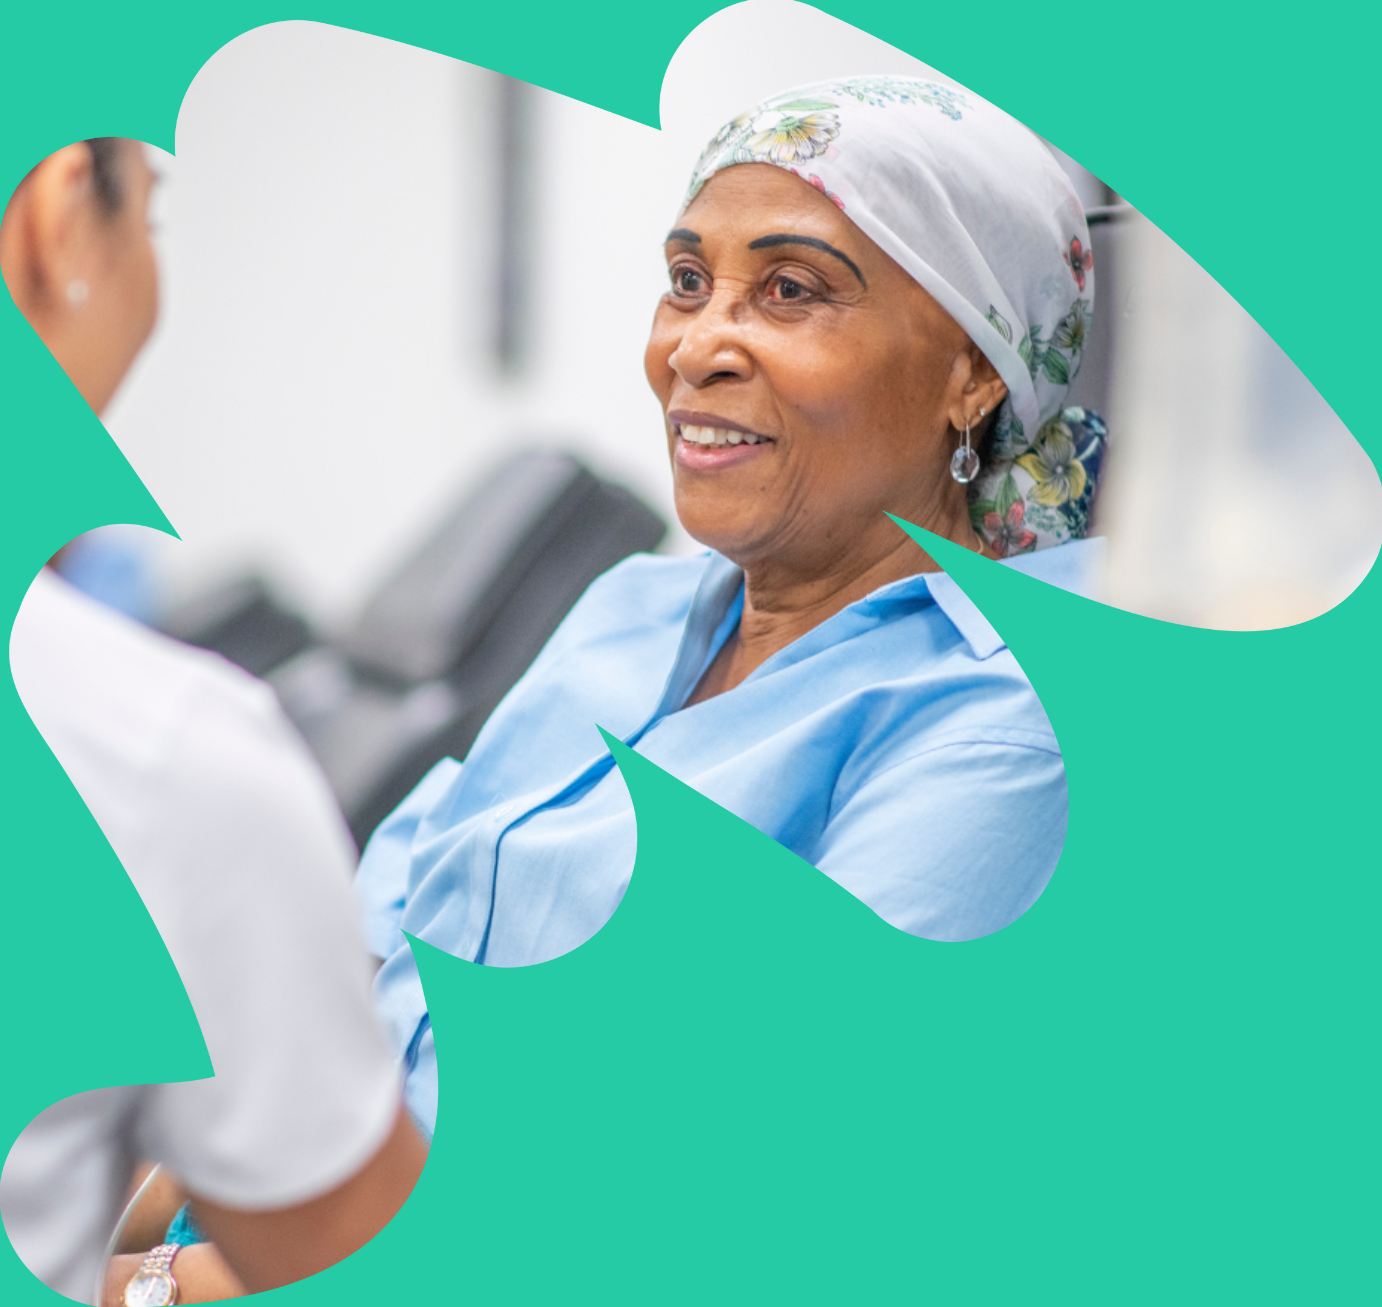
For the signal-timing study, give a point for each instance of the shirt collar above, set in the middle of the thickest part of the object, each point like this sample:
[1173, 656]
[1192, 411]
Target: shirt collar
[950, 599]
[963, 615]
[718, 592]
[720, 589]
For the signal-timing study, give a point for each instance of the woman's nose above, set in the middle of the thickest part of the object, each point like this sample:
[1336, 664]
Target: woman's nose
[712, 347]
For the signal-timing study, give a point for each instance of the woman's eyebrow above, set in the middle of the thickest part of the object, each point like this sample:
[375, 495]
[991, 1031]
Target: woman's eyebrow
[683, 234]
[785, 238]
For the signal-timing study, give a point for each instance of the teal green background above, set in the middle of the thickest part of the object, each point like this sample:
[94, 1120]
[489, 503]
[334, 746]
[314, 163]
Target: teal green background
[1159, 1085]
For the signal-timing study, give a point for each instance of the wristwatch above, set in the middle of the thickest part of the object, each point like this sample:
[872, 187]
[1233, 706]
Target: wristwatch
[153, 1284]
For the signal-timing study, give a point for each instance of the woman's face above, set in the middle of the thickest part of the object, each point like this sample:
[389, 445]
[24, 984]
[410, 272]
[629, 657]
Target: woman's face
[842, 381]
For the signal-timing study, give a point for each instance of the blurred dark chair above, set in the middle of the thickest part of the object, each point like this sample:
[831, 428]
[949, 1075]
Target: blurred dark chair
[243, 621]
[443, 637]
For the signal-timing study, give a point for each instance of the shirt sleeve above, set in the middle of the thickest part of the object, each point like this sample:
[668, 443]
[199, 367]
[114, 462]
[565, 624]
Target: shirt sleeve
[952, 843]
[382, 881]
[245, 869]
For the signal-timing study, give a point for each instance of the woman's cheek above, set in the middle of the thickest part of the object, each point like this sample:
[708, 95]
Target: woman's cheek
[825, 396]
[657, 366]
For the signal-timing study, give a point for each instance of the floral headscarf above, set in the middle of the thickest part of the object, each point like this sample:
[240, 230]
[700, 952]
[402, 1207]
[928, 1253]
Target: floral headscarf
[976, 209]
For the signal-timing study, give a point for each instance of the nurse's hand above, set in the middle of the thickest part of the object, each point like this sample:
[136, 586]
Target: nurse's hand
[201, 1273]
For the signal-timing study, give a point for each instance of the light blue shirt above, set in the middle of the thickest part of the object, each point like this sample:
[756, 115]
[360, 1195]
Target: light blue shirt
[897, 746]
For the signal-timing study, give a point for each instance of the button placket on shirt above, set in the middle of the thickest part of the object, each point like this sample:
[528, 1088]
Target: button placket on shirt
[694, 630]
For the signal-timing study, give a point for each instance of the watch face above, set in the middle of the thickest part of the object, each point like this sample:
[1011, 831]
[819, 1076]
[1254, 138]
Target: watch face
[151, 1289]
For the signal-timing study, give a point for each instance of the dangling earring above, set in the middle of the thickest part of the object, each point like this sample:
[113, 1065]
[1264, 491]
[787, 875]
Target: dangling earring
[964, 462]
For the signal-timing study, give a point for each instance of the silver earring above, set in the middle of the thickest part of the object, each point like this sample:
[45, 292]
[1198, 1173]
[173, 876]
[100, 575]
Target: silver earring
[77, 292]
[964, 462]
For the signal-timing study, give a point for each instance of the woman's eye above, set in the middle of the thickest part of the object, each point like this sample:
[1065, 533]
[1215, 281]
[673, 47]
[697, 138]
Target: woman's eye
[788, 288]
[687, 281]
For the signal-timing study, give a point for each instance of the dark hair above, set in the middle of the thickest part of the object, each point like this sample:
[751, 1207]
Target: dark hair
[106, 173]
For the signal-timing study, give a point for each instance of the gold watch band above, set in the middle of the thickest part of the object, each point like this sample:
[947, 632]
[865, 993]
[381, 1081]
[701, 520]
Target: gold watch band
[152, 1285]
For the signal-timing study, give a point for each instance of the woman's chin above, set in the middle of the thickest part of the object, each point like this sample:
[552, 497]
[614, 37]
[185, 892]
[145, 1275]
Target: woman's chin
[739, 536]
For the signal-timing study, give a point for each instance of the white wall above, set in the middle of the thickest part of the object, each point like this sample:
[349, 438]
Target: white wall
[320, 385]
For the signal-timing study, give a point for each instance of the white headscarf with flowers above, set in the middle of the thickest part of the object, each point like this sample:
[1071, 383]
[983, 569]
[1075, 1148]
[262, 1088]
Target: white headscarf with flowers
[976, 209]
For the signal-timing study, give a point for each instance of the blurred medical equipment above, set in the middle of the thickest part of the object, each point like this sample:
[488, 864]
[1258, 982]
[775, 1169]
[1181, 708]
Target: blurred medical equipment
[442, 638]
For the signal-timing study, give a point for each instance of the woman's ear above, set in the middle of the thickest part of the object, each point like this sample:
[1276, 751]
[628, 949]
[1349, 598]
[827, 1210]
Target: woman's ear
[84, 276]
[42, 239]
[977, 390]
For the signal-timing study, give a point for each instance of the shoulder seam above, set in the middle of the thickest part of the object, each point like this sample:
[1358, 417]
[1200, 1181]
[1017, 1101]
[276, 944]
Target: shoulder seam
[1053, 750]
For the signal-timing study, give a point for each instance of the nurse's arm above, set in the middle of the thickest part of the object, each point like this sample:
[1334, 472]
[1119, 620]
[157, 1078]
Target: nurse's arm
[268, 1249]
[254, 1251]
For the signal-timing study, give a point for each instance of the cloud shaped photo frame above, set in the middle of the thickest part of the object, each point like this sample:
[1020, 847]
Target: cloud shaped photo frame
[1091, 1090]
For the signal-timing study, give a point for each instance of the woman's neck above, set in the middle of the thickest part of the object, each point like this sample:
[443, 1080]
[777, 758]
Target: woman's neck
[783, 601]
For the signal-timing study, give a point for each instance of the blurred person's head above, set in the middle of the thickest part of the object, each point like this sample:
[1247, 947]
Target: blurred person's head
[76, 256]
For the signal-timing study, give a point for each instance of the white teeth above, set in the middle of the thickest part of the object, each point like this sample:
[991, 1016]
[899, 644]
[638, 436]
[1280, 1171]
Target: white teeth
[718, 436]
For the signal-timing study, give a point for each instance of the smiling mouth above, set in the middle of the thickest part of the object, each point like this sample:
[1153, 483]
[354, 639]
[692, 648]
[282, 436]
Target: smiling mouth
[718, 437]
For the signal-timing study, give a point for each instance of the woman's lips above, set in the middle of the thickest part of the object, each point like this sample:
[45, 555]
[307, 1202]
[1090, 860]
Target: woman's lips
[714, 443]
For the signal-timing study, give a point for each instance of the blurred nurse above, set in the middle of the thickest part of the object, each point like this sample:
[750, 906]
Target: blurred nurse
[297, 1151]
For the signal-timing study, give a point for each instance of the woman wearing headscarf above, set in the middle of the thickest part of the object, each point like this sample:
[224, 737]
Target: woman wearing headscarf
[879, 290]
